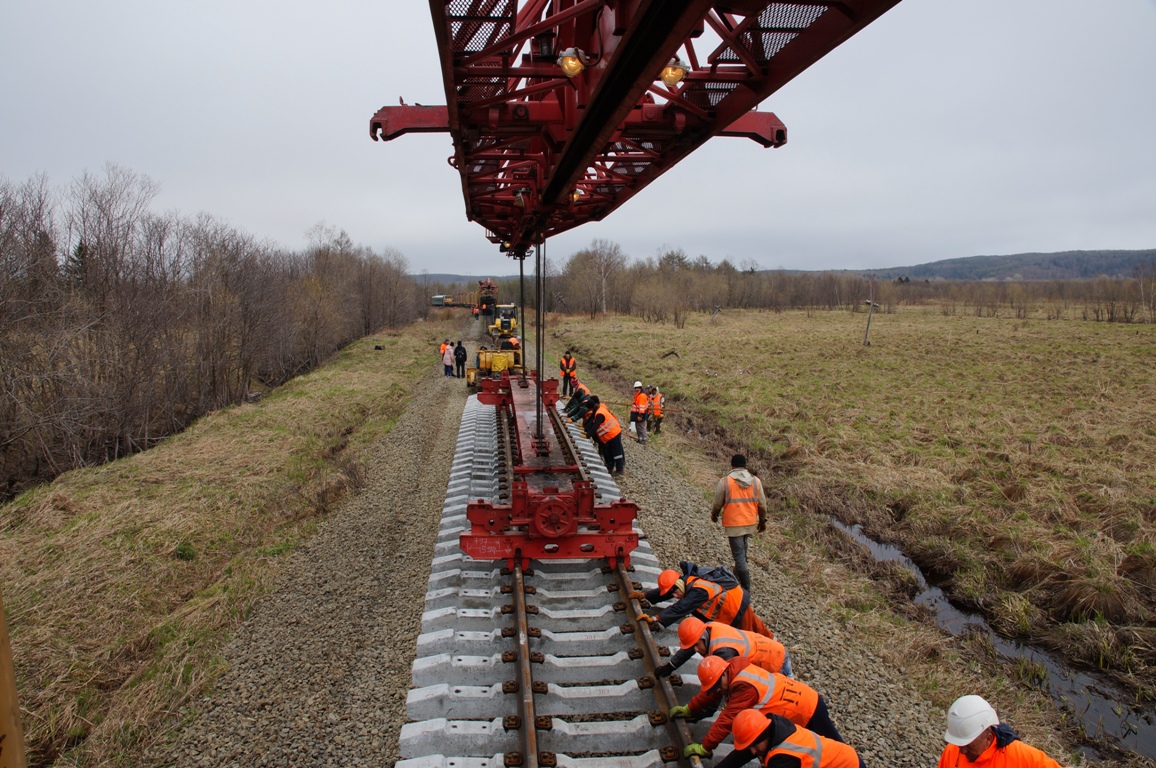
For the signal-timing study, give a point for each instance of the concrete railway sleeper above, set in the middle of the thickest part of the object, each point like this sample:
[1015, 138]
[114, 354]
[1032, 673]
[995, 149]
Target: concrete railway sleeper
[542, 667]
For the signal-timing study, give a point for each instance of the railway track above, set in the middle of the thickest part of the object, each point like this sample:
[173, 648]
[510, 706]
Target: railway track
[543, 666]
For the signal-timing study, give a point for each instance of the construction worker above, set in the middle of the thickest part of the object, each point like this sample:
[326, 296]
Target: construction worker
[711, 638]
[740, 500]
[568, 370]
[460, 357]
[707, 600]
[975, 736]
[639, 410]
[602, 426]
[747, 686]
[442, 348]
[576, 406]
[475, 312]
[778, 743]
[657, 403]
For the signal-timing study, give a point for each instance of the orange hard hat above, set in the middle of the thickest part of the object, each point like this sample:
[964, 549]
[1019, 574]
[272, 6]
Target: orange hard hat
[689, 631]
[748, 726]
[710, 669]
[666, 580]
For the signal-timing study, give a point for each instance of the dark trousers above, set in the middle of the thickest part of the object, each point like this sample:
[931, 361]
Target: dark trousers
[461, 369]
[739, 550]
[613, 454]
[821, 724]
[567, 385]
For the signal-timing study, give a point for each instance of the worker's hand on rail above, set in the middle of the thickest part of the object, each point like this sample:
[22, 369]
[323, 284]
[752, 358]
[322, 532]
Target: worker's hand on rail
[636, 595]
[649, 619]
[681, 710]
[696, 750]
[664, 670]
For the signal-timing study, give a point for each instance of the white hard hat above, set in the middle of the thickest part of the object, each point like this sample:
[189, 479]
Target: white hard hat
[638, 383]
[968, 717]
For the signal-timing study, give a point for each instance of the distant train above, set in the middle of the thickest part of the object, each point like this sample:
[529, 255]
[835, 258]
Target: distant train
[485, 298]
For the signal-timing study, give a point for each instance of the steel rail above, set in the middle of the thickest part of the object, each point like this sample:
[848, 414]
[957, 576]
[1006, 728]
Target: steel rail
[676, 727]
[528, 728]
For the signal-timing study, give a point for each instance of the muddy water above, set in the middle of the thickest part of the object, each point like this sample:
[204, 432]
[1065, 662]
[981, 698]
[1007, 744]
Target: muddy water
[1101, 706]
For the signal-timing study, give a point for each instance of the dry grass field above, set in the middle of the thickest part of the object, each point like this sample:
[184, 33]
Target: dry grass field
[1013, 460]
[121, 581]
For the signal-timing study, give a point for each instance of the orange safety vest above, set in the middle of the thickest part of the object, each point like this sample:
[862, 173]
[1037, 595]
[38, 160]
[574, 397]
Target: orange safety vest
[815, 751]
[780, 695]
[640, 404]
[581, 389]
[609, 428]
[722, 605]
[570, 369]
[442, 349]
[656, 405]
[742, 504]
[763, 651]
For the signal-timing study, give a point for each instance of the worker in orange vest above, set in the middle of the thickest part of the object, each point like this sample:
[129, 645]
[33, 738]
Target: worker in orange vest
[976, 737]
[748, 686]
[778, 743]
[568, 370]
[740, 501]
[639, 411]
[602, 426]
[718, 597]
[657, 403]
[712, 638]
[442, 348]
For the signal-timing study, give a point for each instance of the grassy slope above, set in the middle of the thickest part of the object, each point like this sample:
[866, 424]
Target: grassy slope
[1012, 459]
[122, 582]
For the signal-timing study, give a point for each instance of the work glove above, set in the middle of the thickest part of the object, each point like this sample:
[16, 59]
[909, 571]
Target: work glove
[680, 711]
[649, 619]
[762, 523]
[714, 516]
[696, 750]
[636, 595]
[665, 670]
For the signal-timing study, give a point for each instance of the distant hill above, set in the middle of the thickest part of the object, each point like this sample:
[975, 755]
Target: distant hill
[1067, 265]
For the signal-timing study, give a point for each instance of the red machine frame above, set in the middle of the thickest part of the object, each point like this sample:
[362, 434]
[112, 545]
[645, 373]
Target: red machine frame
[544, 519]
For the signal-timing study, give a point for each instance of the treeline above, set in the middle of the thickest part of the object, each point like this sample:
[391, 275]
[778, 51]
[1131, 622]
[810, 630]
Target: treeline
[669, 287]
[120, 326]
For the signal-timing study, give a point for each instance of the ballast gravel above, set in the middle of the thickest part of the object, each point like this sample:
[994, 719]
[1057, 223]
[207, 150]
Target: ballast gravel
[318, 673]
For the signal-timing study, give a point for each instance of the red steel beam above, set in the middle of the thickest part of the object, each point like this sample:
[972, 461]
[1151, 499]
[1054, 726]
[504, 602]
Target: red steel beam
[540, 153]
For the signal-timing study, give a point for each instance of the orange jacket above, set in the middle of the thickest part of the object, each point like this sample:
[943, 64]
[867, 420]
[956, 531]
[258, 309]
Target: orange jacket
[1013, 754]
[721, 604]
[641, 403]
[742, 504]
[762, 651]
[814, 751]
[609, 428]
[752, 687]
[656, 404]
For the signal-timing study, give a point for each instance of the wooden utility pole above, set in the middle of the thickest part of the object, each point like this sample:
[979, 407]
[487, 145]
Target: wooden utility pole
[11, 737]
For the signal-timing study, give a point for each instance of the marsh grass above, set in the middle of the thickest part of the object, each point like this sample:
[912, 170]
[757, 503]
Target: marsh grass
[123, 581]
[1013, 460]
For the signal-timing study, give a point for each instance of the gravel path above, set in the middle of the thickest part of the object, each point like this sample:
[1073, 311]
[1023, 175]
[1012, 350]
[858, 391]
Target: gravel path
[318, 673]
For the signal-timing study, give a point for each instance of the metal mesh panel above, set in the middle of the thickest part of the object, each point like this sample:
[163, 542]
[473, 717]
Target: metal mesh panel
[471, 30]
[790, 16]
[767, 44]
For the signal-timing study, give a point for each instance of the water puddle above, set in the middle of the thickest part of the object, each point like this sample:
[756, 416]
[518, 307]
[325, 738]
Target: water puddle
[1095, 700]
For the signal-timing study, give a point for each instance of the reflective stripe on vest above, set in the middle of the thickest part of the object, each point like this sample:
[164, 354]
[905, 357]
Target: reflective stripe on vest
[802, 743]
[640, 404]
[763, 682]
[656, 404]
[724, 636]
[609, 428]
[741, 506]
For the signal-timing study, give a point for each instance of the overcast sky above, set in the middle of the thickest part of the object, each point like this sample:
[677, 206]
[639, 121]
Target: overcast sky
[947, 128]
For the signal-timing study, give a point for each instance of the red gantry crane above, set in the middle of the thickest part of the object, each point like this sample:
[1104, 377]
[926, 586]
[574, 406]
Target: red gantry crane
[562, 110]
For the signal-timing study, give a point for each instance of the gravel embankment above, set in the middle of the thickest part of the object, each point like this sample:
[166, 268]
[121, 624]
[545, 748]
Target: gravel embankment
[318, 673]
